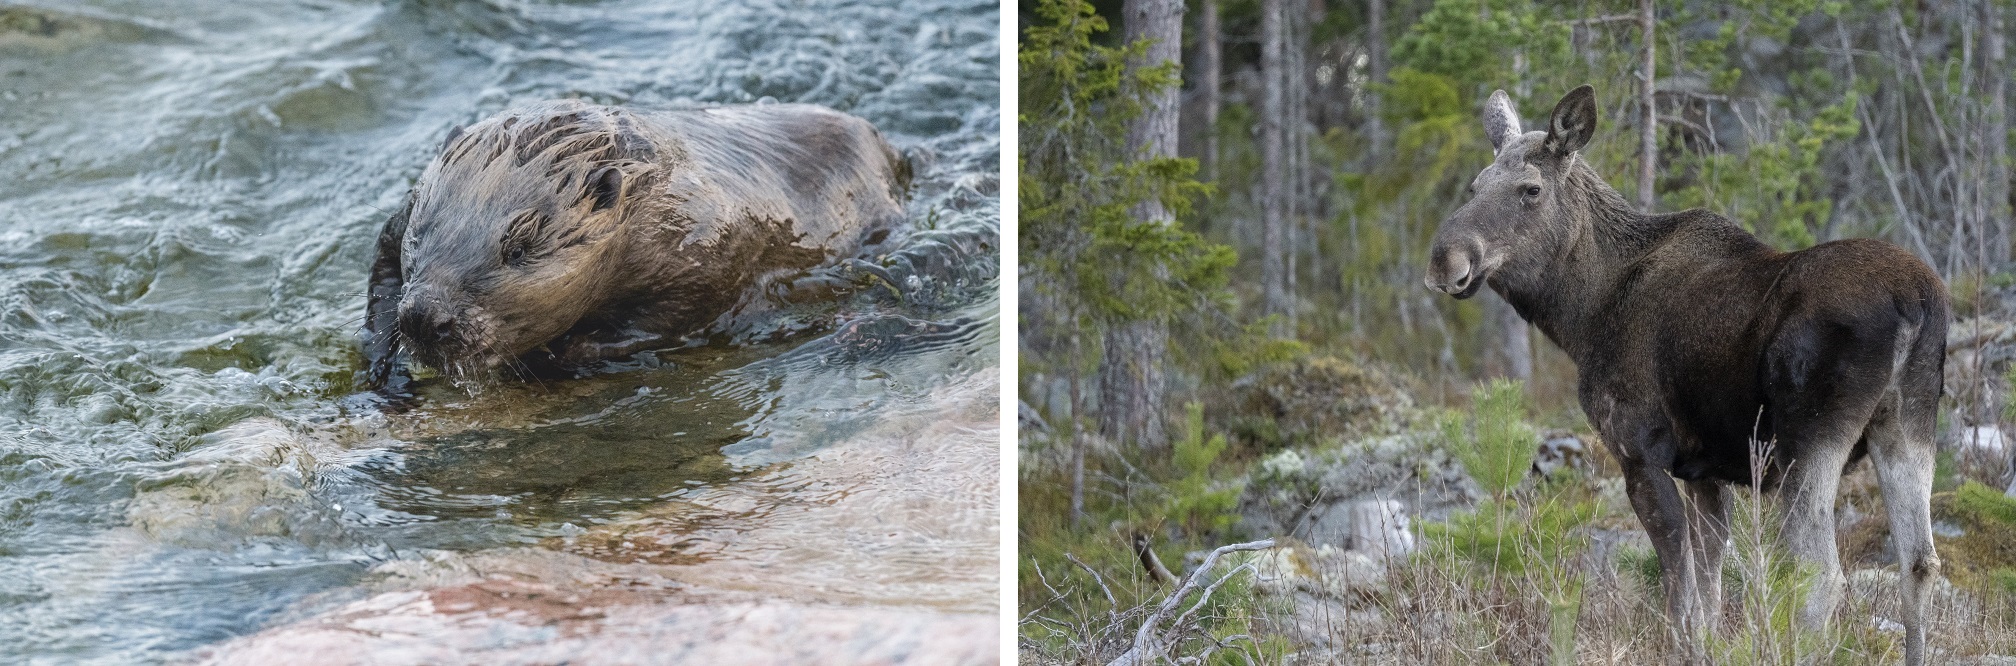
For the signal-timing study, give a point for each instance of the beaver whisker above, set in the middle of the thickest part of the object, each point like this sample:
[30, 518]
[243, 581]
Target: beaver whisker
[525, 373]
[502, 361]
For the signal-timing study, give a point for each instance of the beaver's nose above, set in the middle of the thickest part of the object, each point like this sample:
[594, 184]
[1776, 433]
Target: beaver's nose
[444, 326]
[428, 322]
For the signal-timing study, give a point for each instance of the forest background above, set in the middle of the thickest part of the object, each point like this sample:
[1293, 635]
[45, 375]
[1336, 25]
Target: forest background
[1225, 207]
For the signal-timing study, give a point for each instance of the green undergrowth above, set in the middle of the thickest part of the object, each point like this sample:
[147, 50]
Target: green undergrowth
[1496, 444]
[1983, 557]
[1183, 500]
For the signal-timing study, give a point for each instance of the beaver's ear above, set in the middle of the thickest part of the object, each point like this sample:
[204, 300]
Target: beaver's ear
[605, 186]
[453, 134]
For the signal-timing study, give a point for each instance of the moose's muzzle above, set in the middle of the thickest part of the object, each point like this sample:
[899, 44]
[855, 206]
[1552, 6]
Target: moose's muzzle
[1454, 269]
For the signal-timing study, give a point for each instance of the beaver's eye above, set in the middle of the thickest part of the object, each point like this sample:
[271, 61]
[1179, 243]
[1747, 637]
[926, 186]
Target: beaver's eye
[519, 236]
[1532, 190]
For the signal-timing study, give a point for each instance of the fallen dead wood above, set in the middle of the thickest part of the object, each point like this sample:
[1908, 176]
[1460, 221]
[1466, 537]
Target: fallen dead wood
[1151, 640]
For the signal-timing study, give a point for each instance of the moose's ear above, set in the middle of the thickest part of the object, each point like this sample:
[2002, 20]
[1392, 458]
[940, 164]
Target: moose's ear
[1573, 122]
[1501, 121]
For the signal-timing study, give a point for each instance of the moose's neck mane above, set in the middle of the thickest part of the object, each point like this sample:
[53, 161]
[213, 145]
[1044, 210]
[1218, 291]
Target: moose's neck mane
[1602, 238]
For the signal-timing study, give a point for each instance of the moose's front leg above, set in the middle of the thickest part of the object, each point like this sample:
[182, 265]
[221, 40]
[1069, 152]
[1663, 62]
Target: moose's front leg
[1644, 446]
[1656, 500]
[1708, 532]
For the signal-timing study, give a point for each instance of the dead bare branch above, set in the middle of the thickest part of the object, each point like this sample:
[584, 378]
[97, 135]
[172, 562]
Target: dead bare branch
[1149, 561]
[1096, 578]
[1149, 641]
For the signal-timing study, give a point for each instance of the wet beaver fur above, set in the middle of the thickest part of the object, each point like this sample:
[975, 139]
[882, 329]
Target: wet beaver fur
[562, 233]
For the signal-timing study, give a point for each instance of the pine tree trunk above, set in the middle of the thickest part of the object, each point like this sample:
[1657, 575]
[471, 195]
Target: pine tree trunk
[1274, 185]
[1078, 434]
[1293, 118]
[1513, 344]
[1210, 61]
[1375, 65]
[1130, 372]
[1997, 196]
[1153, 134]
[1649, 126]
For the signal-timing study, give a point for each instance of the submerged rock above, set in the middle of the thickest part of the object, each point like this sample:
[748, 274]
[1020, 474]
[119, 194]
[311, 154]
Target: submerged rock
[501, 622]
[880, 549]
[247, 480]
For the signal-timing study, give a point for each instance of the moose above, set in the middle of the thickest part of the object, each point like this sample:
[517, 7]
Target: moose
[1694, 340]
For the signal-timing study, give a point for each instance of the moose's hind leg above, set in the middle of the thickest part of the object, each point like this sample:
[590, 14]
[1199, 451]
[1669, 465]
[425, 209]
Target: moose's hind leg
[1826, 376]
[1811, 484]
[1902, 449]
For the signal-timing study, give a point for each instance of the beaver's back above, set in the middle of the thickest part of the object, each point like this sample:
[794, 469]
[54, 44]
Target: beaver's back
[827, 174]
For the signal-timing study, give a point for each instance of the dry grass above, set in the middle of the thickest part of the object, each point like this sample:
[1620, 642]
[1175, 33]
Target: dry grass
[1533, 588]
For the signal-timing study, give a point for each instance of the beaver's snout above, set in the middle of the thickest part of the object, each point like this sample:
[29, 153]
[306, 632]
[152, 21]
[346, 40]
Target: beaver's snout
[427, 322]
[436, 328]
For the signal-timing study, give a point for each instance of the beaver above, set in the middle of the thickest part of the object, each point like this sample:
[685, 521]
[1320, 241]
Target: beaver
[565, 232]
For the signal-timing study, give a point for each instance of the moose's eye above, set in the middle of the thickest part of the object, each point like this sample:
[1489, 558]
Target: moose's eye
[1532, 190]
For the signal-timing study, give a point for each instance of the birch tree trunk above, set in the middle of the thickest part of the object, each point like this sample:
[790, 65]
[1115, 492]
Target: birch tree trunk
[1130, 372]
[1649, 124]
[1274, 185]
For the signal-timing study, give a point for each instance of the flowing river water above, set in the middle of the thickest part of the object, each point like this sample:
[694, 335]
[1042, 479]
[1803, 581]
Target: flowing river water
[190, 198]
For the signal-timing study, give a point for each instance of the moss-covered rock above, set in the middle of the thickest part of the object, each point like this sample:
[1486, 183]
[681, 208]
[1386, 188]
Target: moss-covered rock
[1981, 557]
[1310, 400]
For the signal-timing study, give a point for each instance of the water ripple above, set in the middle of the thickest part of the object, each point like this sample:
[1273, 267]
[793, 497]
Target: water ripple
[193, 190]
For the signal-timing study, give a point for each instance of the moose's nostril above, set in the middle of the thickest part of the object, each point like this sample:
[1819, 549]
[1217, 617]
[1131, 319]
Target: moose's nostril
[1461, 281]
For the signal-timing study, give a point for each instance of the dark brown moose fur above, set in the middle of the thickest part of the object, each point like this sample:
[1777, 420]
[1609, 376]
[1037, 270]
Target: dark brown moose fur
[585, 232]
[1693, 338]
